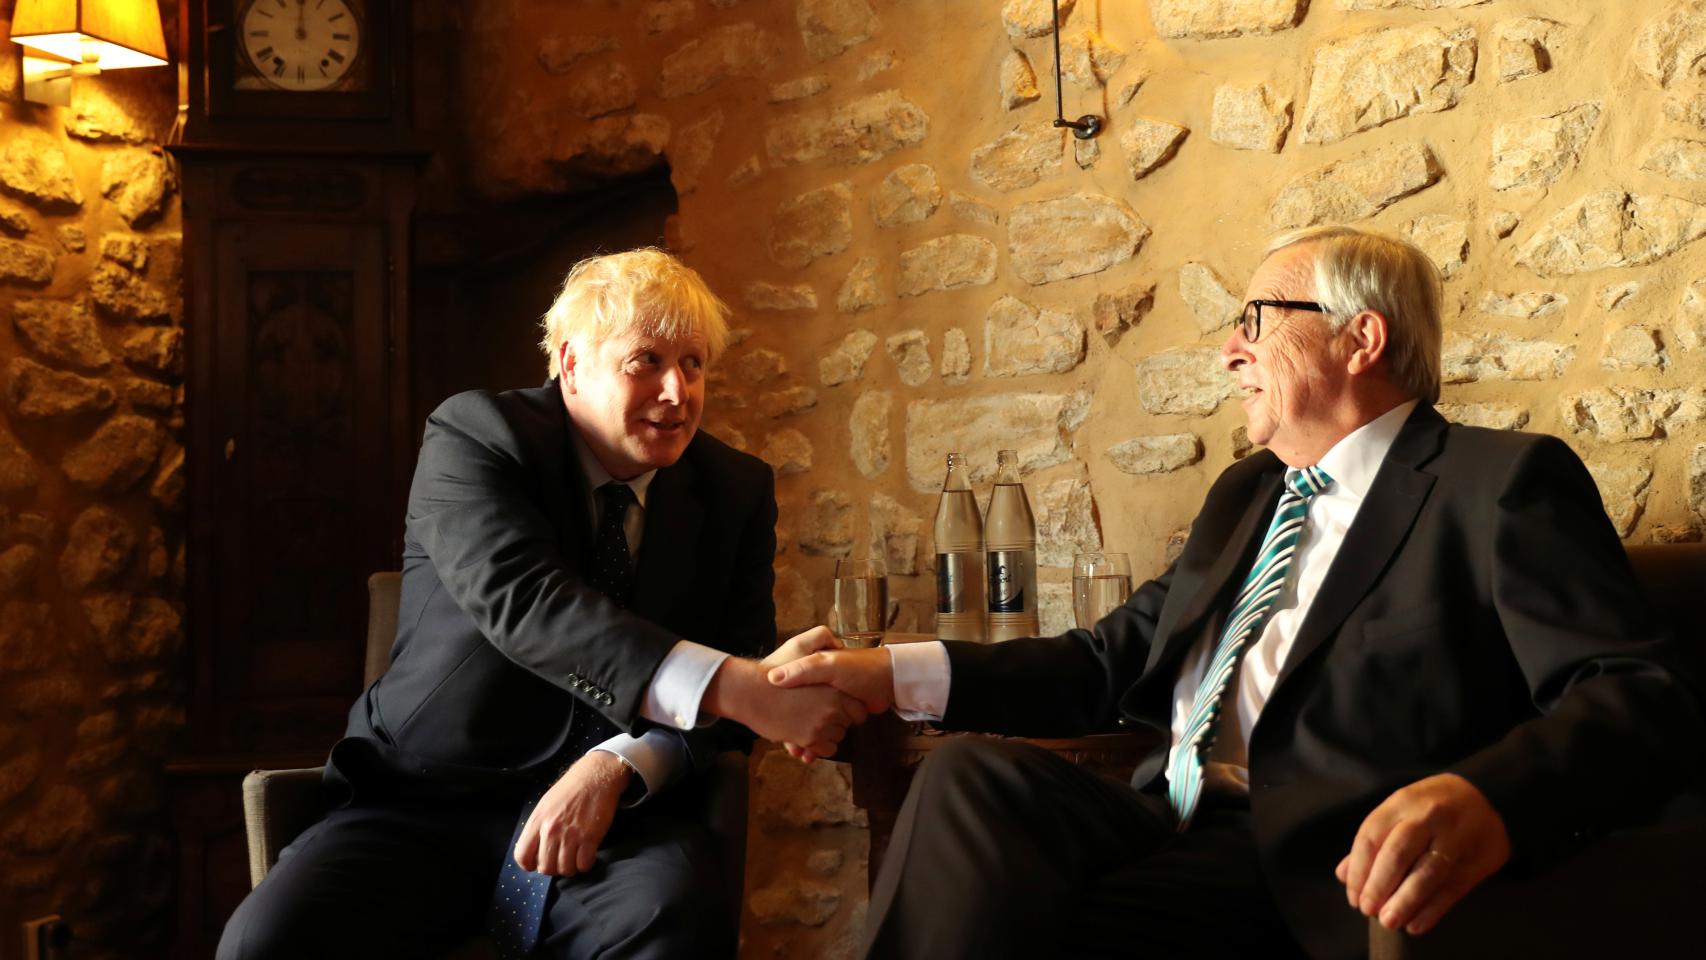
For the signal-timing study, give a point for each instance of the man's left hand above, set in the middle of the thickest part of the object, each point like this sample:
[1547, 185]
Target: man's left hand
[562, 835]
[1421, 850]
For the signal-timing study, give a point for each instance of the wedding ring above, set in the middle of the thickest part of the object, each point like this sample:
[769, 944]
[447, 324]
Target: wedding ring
[1442, 855]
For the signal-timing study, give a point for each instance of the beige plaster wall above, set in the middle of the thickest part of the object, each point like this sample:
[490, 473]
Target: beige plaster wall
[919, 263]
[91, 479]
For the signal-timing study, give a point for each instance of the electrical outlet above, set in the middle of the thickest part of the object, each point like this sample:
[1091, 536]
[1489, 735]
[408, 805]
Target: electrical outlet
[47, 938]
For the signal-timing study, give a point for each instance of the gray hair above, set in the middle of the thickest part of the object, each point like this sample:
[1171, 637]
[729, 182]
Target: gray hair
[1357, 270]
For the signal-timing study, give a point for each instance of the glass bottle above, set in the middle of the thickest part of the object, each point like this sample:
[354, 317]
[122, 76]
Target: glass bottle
[959, 558]
[1010, 537]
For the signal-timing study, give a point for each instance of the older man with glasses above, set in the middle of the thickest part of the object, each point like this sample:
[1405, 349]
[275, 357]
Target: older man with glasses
[1395, 655]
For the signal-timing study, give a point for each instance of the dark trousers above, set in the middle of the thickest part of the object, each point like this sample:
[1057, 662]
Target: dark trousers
[1004, 849]
[411, 880]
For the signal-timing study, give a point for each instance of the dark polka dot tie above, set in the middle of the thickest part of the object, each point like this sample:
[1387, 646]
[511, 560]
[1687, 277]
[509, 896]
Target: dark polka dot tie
[518, 902]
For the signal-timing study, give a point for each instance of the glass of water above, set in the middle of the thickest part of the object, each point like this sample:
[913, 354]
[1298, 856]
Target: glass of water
[861, 602]
[1100, 583]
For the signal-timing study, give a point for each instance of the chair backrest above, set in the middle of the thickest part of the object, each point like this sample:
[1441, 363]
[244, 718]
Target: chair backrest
[1673, 574]
[383, 591]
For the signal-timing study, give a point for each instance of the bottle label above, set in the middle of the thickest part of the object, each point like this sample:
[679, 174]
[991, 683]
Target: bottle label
[1007, 578]
[951, 574]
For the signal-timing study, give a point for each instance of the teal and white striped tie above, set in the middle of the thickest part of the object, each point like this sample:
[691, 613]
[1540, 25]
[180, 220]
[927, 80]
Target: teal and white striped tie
[1249, 615]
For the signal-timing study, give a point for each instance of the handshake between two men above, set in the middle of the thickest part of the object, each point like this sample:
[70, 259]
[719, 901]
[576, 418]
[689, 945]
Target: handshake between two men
[806, 694]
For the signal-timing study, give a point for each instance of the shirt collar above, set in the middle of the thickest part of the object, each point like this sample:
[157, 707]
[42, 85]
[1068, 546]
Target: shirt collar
[597, 476]
[1355, 460]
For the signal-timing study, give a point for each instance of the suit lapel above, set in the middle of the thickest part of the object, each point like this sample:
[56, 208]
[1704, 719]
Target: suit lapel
[1380, 527]
[674, 516]
[1233, 562]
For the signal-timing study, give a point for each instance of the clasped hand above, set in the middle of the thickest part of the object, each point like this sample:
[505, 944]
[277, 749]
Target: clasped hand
[866, 676]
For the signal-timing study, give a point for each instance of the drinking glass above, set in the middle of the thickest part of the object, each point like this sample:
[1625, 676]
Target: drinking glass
[861, 601]
[1100, 583]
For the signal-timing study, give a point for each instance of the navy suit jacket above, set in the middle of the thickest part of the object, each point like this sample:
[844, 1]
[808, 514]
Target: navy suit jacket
[501, 639]
[1480, 617]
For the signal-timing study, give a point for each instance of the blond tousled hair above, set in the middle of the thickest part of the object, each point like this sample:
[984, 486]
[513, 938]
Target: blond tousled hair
[646, 291]
[1357, 270]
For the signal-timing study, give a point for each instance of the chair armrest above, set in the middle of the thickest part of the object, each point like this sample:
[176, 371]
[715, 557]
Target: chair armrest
[277, 806]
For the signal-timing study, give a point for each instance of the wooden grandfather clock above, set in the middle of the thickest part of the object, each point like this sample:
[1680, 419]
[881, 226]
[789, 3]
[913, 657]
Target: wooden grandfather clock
[298, 173]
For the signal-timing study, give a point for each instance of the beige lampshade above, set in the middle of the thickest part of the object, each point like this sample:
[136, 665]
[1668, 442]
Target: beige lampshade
[114, 34]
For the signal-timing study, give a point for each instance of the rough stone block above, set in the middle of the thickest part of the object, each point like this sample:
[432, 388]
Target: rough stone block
[1049, 240]
[1355, 188]
[1612, 229]
[868, 432]
[1211, 19]
[60, 332]
[1535, 152]
[116, 455]
[718, 54]
[1161, 454]
[867, 129]
[1466, 359]
[1019, 339]
[814, 224]
[1677, 158]
[1185, 380]
[829, 27]
[861, 290]
[1672, 45]
[946, 263]
[788, 451]
[907, 195]
[1213, 306]
[1018, 81]
[1623, 487]
[26, 263]
[34, 167]
[35, 392]
[1037, 425]
[910, 351]
[98, 548]
[1066, 522]
[138, 181]
[1445, 239]
[847, 361]
[1148, 143]
[1250, 118]
[763, 295]
[1024, 155]
[1364, 81]
[956, 356]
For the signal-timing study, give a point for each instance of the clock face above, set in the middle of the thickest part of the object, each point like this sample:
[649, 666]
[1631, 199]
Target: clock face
[299, 45]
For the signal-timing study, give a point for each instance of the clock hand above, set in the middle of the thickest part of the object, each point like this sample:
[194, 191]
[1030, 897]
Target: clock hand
[301, 19]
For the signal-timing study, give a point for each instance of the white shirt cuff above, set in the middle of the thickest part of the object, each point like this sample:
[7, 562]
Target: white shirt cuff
[673, 696]
[657, 757]
[921, 679]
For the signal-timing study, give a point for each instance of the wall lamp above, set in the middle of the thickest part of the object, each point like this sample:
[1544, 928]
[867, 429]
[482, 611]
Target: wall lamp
[67, 38]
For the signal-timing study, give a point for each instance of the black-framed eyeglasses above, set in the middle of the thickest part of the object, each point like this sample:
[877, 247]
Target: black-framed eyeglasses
[1250, 321]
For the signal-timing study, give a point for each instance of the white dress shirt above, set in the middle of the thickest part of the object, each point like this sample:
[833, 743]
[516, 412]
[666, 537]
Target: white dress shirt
[659, 757]
[921, 670]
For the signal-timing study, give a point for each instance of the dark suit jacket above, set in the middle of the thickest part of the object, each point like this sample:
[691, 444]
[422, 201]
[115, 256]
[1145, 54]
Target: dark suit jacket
[1480, 617]
[500, 640]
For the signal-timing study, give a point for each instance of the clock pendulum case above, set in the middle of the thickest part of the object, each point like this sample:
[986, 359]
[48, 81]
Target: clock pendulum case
[298, 170]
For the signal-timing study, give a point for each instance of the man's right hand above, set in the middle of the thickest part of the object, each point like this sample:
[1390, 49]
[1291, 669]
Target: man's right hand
[865, 674]
[814, 716]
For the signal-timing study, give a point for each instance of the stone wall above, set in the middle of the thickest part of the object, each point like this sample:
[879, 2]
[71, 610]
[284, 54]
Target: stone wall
[91, 479]
[920, 262]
